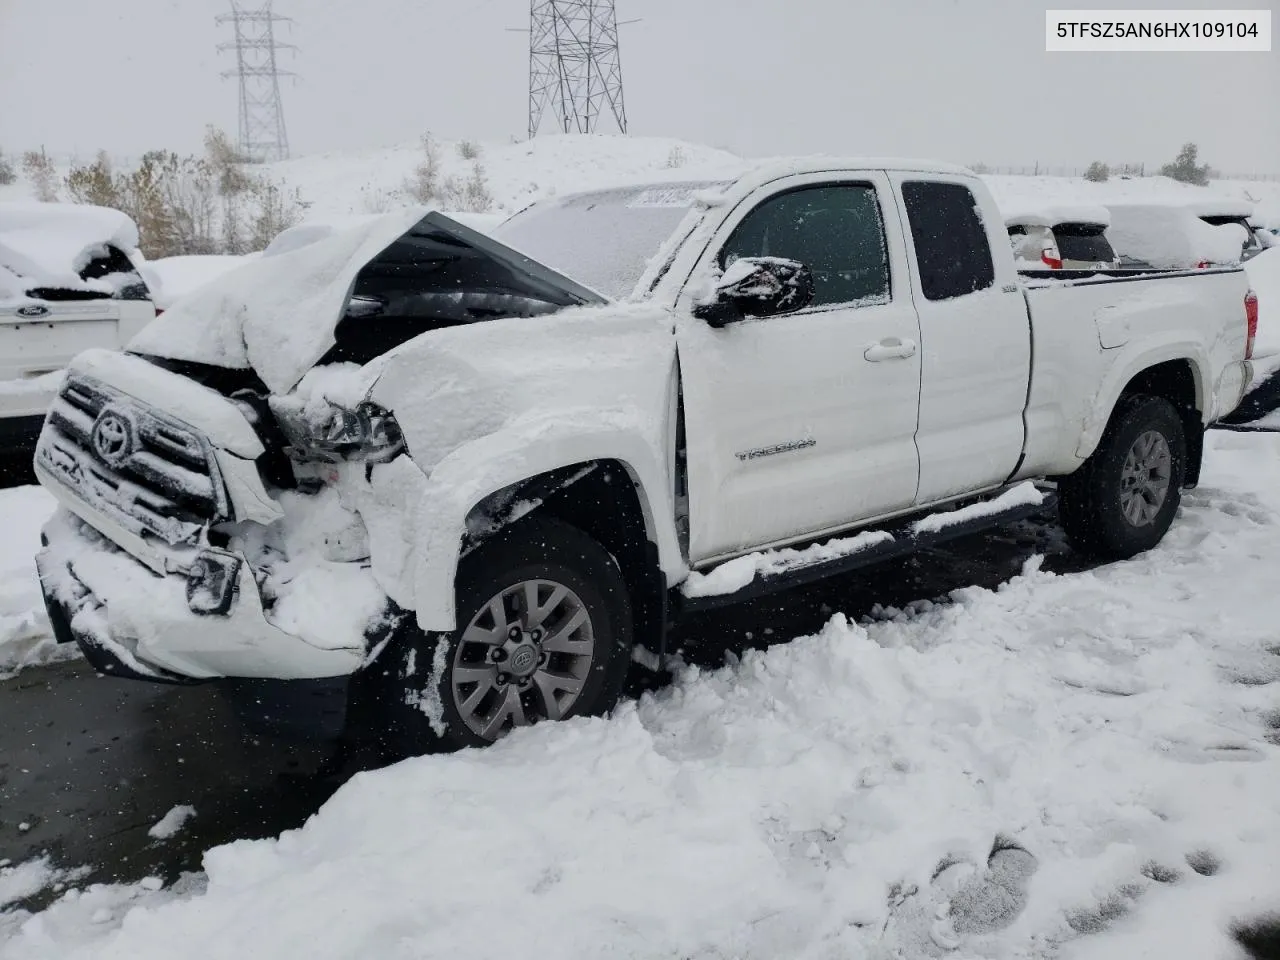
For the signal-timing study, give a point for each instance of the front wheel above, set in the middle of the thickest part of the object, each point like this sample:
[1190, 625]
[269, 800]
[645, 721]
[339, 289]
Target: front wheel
[544, 633]
[1123, 499]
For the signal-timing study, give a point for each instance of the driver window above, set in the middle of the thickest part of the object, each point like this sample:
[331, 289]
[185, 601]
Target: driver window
[836, 231]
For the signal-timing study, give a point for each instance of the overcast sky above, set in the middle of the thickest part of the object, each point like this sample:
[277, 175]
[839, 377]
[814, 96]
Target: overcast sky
[962, 80]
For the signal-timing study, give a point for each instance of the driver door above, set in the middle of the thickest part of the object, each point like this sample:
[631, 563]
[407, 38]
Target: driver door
[804, 423]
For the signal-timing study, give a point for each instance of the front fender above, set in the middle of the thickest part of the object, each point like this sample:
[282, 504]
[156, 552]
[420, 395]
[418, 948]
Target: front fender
[1131, 360]
[517, 452]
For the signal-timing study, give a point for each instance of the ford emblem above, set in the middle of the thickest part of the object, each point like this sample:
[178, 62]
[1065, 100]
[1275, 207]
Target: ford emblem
[33, 311]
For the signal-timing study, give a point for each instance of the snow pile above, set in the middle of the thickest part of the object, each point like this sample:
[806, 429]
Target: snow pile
[171, 824]
[1071, 766]
[25, 636]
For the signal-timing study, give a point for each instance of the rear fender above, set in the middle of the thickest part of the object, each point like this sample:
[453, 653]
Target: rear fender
[1130, 363]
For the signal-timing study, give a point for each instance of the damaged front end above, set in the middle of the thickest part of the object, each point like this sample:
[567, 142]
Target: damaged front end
[174, 560]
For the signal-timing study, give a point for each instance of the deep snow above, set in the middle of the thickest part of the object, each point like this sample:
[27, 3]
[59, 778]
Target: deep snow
[25, 636]
[1118, 728]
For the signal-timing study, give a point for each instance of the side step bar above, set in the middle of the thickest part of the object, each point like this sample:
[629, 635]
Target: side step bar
[760, 574]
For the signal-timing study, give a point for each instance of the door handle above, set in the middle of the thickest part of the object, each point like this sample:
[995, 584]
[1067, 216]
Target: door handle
[893, 348]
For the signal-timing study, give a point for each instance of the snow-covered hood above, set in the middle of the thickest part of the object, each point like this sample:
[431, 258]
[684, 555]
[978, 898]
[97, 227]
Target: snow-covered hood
[278, 315]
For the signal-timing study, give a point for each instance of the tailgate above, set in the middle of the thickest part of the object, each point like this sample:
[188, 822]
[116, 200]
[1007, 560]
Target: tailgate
[31, 345]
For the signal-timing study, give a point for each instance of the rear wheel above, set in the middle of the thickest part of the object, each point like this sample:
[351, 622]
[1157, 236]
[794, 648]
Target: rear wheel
[544, 633]
[1123, 499]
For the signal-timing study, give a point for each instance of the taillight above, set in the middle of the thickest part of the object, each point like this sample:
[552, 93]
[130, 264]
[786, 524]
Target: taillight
[1202, 265]
[1251, 320]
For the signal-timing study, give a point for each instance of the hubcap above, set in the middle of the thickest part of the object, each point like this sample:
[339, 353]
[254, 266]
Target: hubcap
[524, 657]
[1144, 480]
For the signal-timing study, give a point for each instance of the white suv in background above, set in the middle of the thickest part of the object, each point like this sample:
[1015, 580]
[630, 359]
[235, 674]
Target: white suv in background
[1062, 238]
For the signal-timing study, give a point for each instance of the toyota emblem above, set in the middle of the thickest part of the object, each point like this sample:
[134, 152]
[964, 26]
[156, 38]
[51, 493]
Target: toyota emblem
[112, 438]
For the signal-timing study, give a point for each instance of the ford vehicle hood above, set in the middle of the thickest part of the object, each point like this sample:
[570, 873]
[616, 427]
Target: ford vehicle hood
[366, 288]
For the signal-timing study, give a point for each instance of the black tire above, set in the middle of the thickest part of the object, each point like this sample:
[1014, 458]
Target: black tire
[1091, 502]
[409, 695]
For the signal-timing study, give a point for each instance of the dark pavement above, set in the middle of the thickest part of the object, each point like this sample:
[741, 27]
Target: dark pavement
[89, 763]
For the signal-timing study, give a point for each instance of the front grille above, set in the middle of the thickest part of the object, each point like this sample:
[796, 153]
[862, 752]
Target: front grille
[146, 470]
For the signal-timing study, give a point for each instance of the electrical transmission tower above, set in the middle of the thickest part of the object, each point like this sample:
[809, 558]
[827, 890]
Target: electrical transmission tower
[574, 65]
[262, 131]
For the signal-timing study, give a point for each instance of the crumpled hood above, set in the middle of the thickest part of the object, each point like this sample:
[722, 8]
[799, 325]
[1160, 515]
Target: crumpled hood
[275, 315]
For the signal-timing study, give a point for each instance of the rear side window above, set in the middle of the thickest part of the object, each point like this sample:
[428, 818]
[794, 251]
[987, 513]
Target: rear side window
[1082, 241]
[836, 231]
[951, 245]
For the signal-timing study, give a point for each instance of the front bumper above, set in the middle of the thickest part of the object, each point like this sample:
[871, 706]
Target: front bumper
[131, 621]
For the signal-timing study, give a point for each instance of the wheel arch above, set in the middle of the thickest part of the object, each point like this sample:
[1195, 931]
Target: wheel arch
[622, 497]
[1176, 374]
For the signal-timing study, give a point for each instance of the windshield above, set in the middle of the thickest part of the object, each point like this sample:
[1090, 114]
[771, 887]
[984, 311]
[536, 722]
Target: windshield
[604, 239]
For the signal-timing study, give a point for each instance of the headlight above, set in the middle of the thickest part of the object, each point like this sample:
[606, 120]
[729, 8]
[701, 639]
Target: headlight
[334, 434]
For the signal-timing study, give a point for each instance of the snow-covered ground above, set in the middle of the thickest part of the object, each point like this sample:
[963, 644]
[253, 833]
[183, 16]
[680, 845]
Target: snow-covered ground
[1119, 728]
[25, 637]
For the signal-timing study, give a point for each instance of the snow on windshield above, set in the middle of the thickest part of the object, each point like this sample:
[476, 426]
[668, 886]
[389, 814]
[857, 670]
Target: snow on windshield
[605, 239]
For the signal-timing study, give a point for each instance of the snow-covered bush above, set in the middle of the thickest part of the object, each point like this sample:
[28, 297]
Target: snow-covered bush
[7, 174]
[42, 173]
[470, 195]
[425, 182]
[190, 205]
[469, 150]
[1185, 168]
[1098, 172]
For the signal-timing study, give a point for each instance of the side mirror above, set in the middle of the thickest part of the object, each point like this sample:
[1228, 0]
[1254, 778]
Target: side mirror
[758, 287]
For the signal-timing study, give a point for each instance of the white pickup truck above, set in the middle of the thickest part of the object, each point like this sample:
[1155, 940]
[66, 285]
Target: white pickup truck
[411, 481]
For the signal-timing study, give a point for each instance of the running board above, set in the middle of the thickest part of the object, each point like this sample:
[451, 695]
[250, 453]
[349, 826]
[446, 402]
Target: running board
[760, 574]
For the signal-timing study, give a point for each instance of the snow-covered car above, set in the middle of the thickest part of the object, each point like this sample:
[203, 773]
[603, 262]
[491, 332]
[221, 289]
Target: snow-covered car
[414, 479]
[1178, 236]
[68, 280]
[1238, 214]
[1062, 238]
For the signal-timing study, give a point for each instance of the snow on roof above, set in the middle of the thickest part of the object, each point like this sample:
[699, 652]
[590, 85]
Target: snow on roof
[49, 243]
[1052, 216]
[1220, 207]
[1172, 235]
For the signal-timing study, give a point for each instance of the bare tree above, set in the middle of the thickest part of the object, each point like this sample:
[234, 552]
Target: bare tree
[226, 162]
[7, 173]
[424, 185]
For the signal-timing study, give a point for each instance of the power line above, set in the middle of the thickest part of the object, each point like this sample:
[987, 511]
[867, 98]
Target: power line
[575, 69]
[262, 131]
